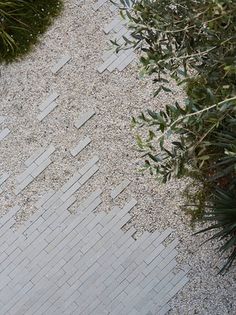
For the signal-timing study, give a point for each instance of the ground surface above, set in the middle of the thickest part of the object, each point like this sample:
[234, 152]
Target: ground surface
[115, 97]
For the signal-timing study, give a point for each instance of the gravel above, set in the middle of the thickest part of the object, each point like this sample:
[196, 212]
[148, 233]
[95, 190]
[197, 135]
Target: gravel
[116, 97]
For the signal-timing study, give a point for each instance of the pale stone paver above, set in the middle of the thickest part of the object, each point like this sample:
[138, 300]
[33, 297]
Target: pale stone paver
[119, 31]
[118, 189]
[3, 178]
[59, 263]
[36, 163]
[61, 62]
[4, 133]
[83, 118]
[87, 265]
[51, 98]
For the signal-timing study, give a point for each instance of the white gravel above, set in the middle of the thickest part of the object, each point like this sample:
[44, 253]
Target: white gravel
[115, 97]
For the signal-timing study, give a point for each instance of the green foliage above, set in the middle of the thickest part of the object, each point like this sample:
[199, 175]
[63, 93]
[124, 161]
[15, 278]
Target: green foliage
[223, 216]
[21, 23]
[194, 43]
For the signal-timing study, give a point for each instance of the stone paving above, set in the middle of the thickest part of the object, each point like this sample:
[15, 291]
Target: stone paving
[4, 132]
[86, 262]
[119, 33]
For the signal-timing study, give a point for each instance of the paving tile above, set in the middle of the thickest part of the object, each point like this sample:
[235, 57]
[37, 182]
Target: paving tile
[4, 177]
[23, 184]
[109, 27]
[126, 62]
[34, 156]
[26, 173]
[98, 4]
[118, 189]
[2, 118]
[51, 98]
[58, 263]
[83, 118]
[107, 63]
[80, 146]
[37, 171]
[47, 111]
[4, 133]
[61, 62]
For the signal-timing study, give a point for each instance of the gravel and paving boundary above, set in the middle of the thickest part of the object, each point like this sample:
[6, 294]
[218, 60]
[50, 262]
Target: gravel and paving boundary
[115, 97]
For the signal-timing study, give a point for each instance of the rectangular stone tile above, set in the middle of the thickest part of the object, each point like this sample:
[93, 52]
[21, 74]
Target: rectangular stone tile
[7, 216]
[158, 240]
[45, 155]
[70, 182]
[164, 310]
[34, 226]
[76, 186]
[122, 31]
[89, 165]
[44, 198]
[80, 146]
[107, 218]
[146, 302]
[164, 285]
[4, 133]
[84, 117]
[46, 205]
[109, 27]
[168, 258]
[154, 264]
[47, 111]
[126, 62]
[115, 302]
[107, 54]
[98, 4]
[157, 251]
[48, 293]
[4, 177]
[51, 98]
[118, 189]
[116, 215]
[169, 248]
[89, 200]
[178, 277]
[2, 118]
[88, 174]
[27, 172]
[113, 8]
[107, 63]
[23, 184]
[15, 272]
[166, 273]
[34, 156]
[177, 288]
[122, 222]
[96, 220]
[63, 60]
[36, 172]
[121, 58]
[134, 251]
[118, 220]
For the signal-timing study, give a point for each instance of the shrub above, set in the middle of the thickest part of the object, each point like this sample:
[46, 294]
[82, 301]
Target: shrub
[21, 23]
[194, 43]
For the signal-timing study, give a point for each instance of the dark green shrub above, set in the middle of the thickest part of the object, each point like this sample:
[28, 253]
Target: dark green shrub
[194, 43]
[223, 216]
[21, 23]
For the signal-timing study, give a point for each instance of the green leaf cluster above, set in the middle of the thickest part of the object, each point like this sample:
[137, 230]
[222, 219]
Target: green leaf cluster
[21, 23]
[194, 43]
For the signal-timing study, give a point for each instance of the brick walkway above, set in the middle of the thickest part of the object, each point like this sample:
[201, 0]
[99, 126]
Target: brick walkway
[83, 263]
[60, 263]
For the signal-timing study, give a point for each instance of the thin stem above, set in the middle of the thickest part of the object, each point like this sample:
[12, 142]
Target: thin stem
[195, 113]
